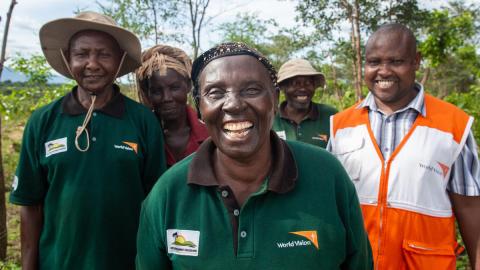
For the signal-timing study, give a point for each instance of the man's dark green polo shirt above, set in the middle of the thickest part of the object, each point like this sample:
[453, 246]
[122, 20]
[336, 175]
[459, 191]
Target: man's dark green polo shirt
[91, 200]
[306, 215]
[314, 128]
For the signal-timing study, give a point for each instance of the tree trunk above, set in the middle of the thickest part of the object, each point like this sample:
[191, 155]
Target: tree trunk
[358, 51]
[5, 35]
[335, 82]
[3, 209]
[354, 62]
[425, 76]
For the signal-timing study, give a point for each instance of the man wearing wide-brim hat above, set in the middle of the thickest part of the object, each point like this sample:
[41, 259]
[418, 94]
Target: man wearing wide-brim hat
[299, 118]
[89, 158]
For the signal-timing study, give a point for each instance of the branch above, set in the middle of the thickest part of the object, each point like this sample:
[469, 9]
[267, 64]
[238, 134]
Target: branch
[5, 35]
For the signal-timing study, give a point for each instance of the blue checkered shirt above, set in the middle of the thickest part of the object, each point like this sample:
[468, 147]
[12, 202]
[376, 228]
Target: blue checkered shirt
[390, 130]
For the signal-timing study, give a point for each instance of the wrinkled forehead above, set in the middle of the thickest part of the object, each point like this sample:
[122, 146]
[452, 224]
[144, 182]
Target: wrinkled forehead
[86, 35]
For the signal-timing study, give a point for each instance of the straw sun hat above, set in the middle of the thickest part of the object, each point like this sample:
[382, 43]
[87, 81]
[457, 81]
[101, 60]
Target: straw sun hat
[299, 67]
[55, 36]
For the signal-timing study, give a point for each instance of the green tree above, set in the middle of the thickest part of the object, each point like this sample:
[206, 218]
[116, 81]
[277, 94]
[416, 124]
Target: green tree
[278, 44]
[150, 19]
[34, 67]
[329, 18]
[450, 50]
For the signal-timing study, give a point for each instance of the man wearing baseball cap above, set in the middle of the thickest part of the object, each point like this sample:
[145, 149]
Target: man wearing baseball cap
[89, 158]
[299, 118]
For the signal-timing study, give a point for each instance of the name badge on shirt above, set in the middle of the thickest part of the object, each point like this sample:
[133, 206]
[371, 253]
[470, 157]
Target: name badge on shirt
[282, 134]
[55, 146]
[183, 242]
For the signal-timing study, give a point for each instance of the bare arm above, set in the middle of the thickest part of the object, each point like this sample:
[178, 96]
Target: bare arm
[31, 223]
[467, 212]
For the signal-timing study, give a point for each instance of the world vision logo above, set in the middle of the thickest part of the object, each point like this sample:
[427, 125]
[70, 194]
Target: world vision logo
[444, 167]
[311, 237]
[321, 137]
[129, 146]
[443, 171]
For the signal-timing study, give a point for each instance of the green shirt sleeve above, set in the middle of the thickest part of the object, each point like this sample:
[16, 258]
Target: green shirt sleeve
[30, 183]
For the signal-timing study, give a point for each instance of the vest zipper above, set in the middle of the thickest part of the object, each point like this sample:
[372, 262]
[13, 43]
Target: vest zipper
[381, 203]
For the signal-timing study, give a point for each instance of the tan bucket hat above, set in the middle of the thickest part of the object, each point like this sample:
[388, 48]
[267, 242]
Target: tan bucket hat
[55, 36]
[299, 67]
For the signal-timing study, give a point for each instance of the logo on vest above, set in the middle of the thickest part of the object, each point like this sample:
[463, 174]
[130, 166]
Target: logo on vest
[311, 237]
[441, 170]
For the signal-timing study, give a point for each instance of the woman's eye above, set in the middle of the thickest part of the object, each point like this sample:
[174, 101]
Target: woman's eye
[215, 94]
[252, 91]
[398, 62]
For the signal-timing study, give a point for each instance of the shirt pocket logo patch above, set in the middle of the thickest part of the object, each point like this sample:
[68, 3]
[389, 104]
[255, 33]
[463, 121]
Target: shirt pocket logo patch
[183, 242]
[55, 146]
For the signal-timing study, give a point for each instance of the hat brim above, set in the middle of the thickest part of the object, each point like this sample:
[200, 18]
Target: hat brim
[55, 36]
[318, 77]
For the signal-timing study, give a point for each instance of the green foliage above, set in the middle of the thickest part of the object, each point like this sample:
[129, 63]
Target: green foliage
[447, 34]
[149, 19]
[9, 266]
[278, 45]
[34, 67]
[469, 102]
[19, 102]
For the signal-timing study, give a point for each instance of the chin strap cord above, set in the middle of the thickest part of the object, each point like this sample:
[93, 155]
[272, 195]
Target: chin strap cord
[83, 127]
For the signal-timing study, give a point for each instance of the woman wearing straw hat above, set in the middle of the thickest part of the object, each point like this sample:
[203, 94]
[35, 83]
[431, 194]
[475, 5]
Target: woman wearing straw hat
[163, 83]
[299, 118]
[247, 199]
[89, 158]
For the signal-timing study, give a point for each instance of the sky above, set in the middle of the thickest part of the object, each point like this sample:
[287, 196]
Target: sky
[30, 15]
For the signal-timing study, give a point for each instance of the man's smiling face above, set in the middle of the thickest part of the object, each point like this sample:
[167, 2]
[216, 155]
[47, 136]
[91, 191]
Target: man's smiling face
[390, 66]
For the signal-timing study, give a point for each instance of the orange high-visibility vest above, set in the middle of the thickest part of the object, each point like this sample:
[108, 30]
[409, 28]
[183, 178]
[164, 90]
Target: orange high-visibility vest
[405, 205]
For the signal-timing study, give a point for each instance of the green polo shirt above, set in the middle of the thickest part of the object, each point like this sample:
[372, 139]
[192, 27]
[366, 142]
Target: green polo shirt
[314, 128]
[91, 200]
[306, 215]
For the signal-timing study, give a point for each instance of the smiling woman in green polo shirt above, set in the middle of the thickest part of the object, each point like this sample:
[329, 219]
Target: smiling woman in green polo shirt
[89, 158]
[247, 199]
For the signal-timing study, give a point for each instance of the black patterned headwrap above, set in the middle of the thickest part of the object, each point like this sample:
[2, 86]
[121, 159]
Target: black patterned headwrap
[227, 49]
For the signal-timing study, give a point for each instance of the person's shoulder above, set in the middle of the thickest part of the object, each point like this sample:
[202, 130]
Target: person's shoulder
[46, 111]
[326, 109]
[309, 154]
[317, 166]
[442, 108]
[135, 106]
[174, 179]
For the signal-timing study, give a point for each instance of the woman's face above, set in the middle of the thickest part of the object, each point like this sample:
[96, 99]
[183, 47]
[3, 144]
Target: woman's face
[237, 105]
[168, 94]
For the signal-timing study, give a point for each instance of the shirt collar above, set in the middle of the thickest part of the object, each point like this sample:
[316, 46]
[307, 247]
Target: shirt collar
[282, 177]
[312, 113]
[417, 104]
[115, 106]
